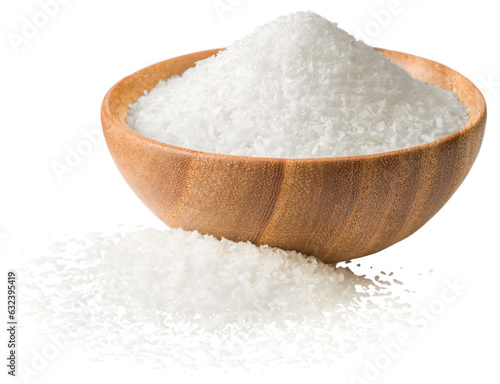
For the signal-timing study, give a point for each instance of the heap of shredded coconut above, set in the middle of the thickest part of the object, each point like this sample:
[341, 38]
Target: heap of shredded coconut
[176, 298]
[297, 87]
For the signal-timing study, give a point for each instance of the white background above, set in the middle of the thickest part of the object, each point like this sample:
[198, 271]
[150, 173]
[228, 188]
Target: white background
[52, 85]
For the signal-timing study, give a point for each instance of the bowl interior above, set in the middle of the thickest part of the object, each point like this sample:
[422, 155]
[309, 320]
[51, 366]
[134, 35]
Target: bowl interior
[129, 89]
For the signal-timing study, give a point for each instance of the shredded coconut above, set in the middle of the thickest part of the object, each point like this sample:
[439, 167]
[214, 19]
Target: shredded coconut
[176, 298]
[297, 87]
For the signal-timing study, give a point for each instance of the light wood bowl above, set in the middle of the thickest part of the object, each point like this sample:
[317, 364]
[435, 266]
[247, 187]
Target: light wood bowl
[334, 208]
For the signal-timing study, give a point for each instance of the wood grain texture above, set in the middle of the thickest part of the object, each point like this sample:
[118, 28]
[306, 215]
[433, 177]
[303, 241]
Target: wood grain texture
[334, 208]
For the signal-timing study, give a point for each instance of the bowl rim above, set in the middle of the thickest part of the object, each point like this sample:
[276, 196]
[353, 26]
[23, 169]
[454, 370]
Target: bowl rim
[470, 124]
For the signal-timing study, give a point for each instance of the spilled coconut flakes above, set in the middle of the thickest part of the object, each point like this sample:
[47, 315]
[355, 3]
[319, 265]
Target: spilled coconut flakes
[173, 298]
[297, 87]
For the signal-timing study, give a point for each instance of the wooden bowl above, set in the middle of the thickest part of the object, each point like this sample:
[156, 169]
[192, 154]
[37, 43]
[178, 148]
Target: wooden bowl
[334, 208]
